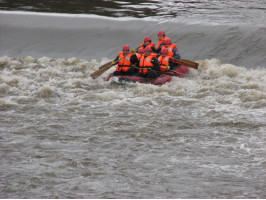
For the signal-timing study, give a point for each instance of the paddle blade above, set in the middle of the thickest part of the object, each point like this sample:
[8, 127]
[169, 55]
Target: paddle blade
[102, 69]
[104, 65]
[187, 63]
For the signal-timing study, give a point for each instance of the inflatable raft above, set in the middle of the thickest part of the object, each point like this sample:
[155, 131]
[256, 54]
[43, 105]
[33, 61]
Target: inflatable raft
[160, 80]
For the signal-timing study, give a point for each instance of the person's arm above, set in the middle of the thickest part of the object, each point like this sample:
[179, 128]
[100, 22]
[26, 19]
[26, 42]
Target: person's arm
[155, 50]
[134, 60]
[176, 54]
[159, 49]
[171, 64]
[155, 63]
[116, 59]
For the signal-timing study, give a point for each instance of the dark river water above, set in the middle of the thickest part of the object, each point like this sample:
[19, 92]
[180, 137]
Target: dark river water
[66, 135]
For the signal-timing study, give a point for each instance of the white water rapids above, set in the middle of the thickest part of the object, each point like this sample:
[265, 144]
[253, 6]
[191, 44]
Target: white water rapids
[89, 138]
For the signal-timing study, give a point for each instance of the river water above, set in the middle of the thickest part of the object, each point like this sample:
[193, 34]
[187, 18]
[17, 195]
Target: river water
[66, 135]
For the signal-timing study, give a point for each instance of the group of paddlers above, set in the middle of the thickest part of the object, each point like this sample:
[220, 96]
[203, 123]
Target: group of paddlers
[148, 59]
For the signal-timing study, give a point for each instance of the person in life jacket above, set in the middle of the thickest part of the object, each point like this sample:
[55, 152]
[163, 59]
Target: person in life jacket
[124, 61]
[165, 61]
[140, 53]
[146, 42]
[160, 43]
[172, 49]
[148, 64]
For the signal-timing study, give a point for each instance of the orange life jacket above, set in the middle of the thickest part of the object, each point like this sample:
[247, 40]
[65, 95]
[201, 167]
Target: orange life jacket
[124, 62]
[157, 46]
[154, 55]
[150, 45]
[163, 61]
[145, 63]
[170, 49]
[138, 55]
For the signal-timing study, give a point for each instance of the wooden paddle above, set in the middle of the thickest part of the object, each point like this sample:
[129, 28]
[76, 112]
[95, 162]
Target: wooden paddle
[187, 63]
[102, 69]
[105, 67]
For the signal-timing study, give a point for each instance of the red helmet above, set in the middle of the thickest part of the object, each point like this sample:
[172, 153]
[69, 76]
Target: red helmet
[126, 48]
[167, 41]
[147, 38]
[148, 48]
[141, 50]
[164, 51]
[161, 33]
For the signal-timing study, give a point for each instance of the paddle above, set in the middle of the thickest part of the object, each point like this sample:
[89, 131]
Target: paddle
[105, 67]
[102, 69]
[187, 63]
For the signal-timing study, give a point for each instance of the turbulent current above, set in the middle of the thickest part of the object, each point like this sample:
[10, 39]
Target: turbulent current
[66, 135]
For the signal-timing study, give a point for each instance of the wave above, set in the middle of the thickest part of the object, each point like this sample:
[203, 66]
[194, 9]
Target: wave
[214, 82]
